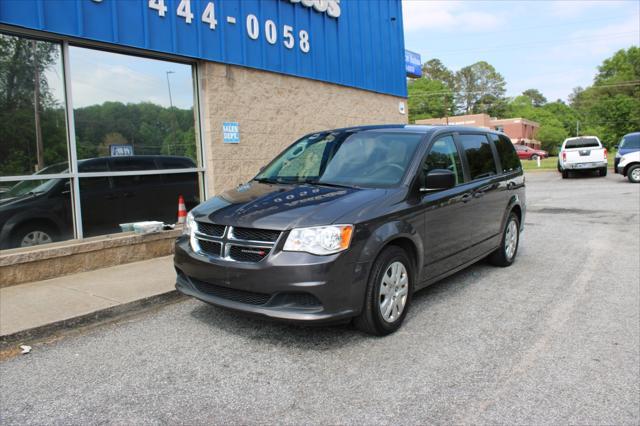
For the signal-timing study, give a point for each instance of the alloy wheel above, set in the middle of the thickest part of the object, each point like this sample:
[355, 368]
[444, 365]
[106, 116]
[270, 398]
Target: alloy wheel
[35, 238]
[511, 239]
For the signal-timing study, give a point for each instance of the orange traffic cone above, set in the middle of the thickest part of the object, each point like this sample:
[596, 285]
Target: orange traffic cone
[182, 210]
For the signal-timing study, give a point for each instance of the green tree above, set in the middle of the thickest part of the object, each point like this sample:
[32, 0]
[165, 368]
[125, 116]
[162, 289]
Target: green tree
[537, 98]
[474, 82]
[434, 69]
[429, 98]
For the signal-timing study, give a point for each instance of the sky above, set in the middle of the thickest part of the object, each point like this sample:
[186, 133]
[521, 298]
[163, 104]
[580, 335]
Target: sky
[552, 46]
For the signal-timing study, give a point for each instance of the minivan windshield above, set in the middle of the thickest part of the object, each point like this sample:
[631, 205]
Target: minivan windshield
[356, 159]
[582, 143]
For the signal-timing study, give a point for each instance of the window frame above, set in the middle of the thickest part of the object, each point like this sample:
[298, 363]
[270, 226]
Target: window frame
[73, 174]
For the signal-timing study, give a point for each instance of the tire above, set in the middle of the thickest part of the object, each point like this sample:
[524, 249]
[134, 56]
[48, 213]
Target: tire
[534, 157]
[602, 172]
[559, 169]
[33, 234]
[633, 173]
[372, 318]
[506, 254]
[565, 174]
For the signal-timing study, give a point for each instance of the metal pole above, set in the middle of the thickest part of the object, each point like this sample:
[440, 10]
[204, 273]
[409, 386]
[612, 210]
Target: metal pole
[169, 86]
[36, 107]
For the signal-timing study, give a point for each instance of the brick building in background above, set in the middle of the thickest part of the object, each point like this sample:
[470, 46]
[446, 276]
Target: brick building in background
[519, 130]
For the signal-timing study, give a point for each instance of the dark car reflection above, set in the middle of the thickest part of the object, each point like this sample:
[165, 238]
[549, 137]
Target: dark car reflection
[34, 212]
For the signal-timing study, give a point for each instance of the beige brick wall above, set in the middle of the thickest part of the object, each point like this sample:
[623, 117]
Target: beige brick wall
[274, 110]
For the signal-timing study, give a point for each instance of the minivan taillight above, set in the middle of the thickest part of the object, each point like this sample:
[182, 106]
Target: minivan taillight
[564, 156]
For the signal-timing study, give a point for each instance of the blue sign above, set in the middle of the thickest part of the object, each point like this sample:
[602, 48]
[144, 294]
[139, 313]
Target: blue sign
[230, 132]
[352, 43]
[413, 64]
[120, 150]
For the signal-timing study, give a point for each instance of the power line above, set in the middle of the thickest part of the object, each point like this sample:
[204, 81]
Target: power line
[538, 43]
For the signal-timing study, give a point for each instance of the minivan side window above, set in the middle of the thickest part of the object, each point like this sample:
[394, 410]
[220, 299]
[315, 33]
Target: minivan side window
[507, 154]
[479, 155]
[444, 155]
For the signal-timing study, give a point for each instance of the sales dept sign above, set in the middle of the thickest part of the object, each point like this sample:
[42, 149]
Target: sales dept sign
[230, 132]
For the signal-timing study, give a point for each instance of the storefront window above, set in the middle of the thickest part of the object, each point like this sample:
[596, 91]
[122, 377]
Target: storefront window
[142, 105]
[33, 133]
[135, 140]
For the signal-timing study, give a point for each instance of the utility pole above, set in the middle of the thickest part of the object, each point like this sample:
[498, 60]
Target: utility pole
[173, 120]
[169, 86]
[577, 128]
[36, 108]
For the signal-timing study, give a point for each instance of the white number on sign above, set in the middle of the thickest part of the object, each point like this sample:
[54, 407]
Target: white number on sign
[270, 31]
[304, 41]
[209, 15]
[158, 5]
[289, 41]
[184, 10]
[253, 29]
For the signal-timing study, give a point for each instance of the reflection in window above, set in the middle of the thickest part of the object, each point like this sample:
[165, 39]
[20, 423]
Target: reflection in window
[479, 156]
[145, 105]
[32, 107]
[34, 212]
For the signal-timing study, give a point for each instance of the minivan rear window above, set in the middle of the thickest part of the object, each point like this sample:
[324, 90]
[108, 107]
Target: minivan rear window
[582, 143]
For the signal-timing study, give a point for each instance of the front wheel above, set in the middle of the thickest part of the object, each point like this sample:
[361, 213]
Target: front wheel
[633, 174]
[506, 253]
[388, 294]
[535, 157]
[33, 234]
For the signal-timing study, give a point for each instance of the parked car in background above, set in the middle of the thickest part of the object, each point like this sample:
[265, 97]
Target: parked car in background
[629, 143]
[629, 166]
[348, 223]
[34, 212]
[580, 154]
[528, 153]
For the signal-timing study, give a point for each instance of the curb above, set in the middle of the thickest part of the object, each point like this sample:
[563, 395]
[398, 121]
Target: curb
[67, 325]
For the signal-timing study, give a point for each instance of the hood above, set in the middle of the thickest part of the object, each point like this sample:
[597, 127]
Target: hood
[282, 207]
[17, 200]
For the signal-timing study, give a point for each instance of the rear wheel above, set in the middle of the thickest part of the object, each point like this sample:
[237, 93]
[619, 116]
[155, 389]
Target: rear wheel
[565, 174]
[558, 165]
[633, 174]
[602, 171]
[506, 253]
[388, 294]
[535, 157]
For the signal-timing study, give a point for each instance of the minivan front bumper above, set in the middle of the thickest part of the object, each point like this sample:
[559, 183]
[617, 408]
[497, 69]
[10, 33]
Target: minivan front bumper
[290, 286]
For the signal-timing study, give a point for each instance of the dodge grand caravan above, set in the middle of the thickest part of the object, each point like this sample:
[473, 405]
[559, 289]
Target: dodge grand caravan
[349, 223]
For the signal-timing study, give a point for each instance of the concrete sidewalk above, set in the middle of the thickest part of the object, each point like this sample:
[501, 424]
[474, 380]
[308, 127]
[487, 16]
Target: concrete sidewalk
[38, 304]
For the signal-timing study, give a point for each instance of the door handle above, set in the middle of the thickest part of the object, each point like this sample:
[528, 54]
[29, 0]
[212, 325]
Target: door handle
[511, 185]
[466, 197]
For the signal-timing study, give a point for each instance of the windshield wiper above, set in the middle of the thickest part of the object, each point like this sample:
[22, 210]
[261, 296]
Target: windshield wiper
[265, 180]
[334, 185]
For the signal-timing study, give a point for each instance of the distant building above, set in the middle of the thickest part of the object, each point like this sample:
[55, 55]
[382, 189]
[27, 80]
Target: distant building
[519, 130]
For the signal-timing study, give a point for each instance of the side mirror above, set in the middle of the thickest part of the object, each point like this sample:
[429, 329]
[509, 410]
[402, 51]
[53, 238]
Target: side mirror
[438, 179]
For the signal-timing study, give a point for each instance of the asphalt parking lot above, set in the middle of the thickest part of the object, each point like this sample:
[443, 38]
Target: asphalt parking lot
[553, 339]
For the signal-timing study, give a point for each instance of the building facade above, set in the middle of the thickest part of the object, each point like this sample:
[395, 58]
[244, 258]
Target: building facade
[112, 109]
[519, 130]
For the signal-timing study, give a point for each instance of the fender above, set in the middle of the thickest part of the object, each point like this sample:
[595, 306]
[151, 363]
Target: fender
[385, 234]
[514, 200]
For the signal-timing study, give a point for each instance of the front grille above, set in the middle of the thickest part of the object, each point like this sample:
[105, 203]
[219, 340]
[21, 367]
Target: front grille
[233, 294]
[255, 234]
[248, 254]
[211, 229]
[209, 247]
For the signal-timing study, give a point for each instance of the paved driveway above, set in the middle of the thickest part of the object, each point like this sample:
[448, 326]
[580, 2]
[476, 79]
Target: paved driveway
[553, 339]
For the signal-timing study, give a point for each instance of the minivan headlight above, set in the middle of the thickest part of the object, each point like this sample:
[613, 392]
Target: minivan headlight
[320, 240]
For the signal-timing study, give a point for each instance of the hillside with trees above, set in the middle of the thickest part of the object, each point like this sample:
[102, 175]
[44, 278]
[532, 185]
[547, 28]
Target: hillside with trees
[609, 108]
